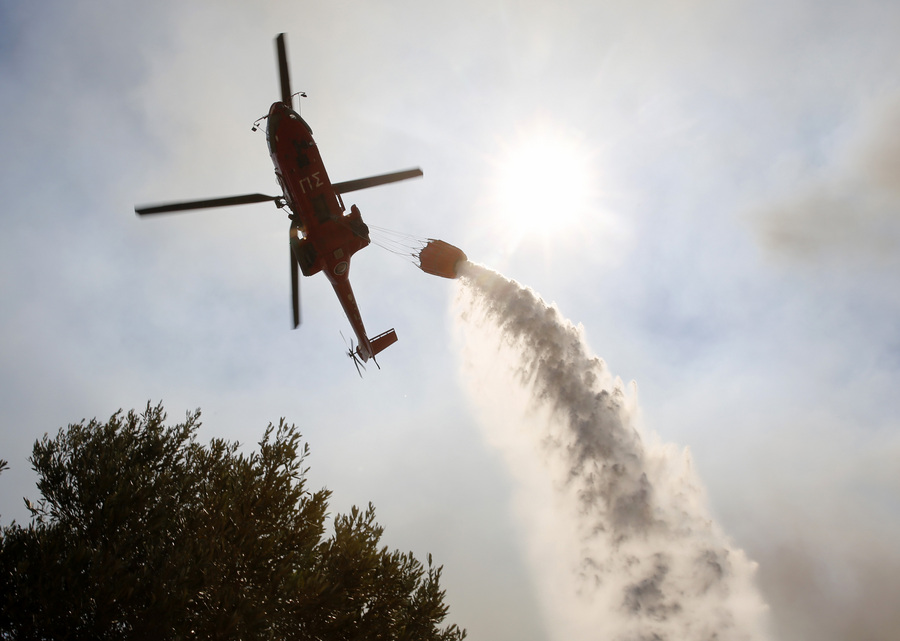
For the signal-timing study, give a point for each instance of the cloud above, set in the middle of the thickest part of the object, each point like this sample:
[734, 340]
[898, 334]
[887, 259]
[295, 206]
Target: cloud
[852, 210]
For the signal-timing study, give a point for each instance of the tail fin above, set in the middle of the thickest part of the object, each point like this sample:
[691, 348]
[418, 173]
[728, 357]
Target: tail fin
[383, 341]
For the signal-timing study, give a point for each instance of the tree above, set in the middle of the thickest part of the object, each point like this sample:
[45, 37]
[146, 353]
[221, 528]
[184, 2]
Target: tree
[142, 532]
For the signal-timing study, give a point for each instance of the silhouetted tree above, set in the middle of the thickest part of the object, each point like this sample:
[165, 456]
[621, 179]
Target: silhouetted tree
[142, 532]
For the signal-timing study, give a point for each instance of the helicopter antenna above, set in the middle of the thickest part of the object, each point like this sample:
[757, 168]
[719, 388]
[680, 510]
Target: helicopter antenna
[302, 94]
[257, 121]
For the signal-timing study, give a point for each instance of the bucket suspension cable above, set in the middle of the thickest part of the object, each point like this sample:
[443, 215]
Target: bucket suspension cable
[405, 245]
[428, 254]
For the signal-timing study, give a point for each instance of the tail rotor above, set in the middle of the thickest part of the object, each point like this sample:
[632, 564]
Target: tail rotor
[352, 353]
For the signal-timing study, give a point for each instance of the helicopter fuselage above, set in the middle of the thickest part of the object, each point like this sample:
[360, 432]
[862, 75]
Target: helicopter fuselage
[324, 237]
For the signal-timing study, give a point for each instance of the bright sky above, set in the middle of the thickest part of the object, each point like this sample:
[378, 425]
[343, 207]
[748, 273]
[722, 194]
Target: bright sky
[718, 202]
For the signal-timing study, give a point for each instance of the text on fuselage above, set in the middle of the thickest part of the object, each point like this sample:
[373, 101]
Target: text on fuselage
[311, 182]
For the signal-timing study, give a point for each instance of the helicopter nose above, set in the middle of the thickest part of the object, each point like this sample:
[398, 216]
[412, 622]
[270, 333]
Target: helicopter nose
[276, 112]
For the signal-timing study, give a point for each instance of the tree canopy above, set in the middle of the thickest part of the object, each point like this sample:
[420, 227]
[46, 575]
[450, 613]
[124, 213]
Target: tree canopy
[141, 531]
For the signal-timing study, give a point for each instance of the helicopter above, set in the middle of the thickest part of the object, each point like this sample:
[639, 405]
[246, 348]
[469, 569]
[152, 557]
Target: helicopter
[323, 235]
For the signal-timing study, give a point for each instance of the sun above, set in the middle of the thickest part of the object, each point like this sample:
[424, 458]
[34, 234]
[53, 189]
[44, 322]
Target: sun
[542, 182]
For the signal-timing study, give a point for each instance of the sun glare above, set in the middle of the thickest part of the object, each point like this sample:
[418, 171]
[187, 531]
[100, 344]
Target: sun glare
[543, 182]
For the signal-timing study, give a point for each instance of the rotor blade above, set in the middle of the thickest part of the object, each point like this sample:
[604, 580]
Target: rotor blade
[283, 70]
[295, 289]
[374, 181]
[246, 199]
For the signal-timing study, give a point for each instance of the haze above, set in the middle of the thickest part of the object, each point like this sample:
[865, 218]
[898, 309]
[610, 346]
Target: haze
[733, 251]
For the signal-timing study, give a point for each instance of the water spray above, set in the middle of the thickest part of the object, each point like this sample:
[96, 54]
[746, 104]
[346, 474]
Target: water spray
[621, 542]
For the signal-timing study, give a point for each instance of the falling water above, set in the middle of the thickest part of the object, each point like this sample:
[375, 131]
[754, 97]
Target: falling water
[618, 533]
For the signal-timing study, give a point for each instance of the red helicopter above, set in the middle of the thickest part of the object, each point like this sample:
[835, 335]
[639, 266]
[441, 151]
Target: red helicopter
[323, 237]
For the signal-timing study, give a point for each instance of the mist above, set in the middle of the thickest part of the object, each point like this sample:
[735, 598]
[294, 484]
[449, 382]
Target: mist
[618, 535]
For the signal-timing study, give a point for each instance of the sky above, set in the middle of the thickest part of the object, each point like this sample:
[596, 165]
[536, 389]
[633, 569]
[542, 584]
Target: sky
[709, 189]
